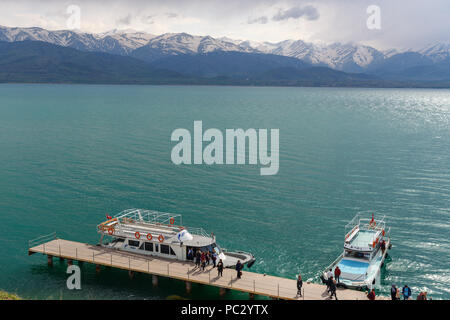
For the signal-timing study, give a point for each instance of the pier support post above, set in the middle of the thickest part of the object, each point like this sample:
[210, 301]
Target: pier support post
[188, 286]
[49, 260]
[131, 274]
[69, 262]
[98, 268]
[80, 263]
[223, 291]
[154, 280]
[61, 259]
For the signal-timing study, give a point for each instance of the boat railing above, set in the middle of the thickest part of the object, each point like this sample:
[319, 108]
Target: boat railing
[150, 216]
[360, 220]
[42, 239]
[198, 231]
[335, 262]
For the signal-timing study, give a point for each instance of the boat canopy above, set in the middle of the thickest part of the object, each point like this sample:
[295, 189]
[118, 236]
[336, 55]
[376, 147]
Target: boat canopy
[131, 222]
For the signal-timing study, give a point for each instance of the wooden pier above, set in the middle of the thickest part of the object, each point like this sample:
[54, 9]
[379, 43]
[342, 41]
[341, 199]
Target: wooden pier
[251, 282]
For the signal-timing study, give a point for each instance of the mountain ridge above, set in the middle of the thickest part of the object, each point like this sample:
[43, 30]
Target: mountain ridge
[348, 57]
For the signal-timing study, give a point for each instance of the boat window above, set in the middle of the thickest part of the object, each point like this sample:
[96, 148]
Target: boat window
[172, 252]
[133, 243]
[148, 246]
[357, 254]
[165, 249]
[210, 248]
[156, 247]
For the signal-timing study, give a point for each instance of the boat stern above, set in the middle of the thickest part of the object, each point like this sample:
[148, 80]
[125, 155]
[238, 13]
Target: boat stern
[231, 259]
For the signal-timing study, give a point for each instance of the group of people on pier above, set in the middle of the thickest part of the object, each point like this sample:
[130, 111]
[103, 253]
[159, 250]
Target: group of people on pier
[204, 258]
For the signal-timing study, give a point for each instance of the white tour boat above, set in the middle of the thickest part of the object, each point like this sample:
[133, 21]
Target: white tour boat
[154, 233]
[363, 255]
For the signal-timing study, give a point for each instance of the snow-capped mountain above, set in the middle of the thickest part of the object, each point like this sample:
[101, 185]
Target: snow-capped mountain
[437, 52]
[128, 38]
[111, 42]
[349, 57]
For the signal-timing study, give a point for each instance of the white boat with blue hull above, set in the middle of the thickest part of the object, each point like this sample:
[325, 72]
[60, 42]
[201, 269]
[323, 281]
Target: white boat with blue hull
[365, 249]
[161, 234]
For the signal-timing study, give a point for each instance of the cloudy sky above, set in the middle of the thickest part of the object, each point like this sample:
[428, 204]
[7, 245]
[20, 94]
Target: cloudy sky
[403, 23]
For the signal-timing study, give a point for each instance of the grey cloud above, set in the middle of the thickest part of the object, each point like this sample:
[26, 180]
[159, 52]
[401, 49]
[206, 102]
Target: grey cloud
[171, 15]
[147, 19]
[309, 12]
[260, 20]
[125, 20]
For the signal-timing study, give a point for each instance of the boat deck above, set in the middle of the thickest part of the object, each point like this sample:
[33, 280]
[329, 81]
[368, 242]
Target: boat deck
[363, 238]
[251, 282]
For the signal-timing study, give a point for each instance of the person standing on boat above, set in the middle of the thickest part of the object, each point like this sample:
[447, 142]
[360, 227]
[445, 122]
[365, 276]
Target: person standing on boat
[383, 246]
[406, 292]
[220, 268]
[239, 267]
[299, 285]
[332, 287]
[337, 273]
[190, 254]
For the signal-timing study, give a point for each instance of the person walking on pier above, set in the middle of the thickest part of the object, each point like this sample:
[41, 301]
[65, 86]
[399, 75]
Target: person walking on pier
[371, 295]
[393, 292]
[299, 285]
[198, 256]
[214, 258]
[329, 278]
[406, 292]
[220, 268]
[207, 257]
[332, 287]
[337, 273]
[239, 267]
[203, 259]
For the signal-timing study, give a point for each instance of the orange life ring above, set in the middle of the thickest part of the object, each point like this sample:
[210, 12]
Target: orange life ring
[161, 238]
[137, 235]
[149, 237]
[110, 231]
[172, 220]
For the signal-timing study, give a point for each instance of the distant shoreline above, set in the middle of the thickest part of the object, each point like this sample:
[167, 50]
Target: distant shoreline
[8, 296]
[398, 86]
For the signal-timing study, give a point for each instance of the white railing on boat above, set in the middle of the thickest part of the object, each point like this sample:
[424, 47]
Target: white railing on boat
[362, 222]
[150, 218]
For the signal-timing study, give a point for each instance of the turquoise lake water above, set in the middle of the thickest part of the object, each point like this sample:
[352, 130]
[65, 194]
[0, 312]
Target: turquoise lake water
[71, 154]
